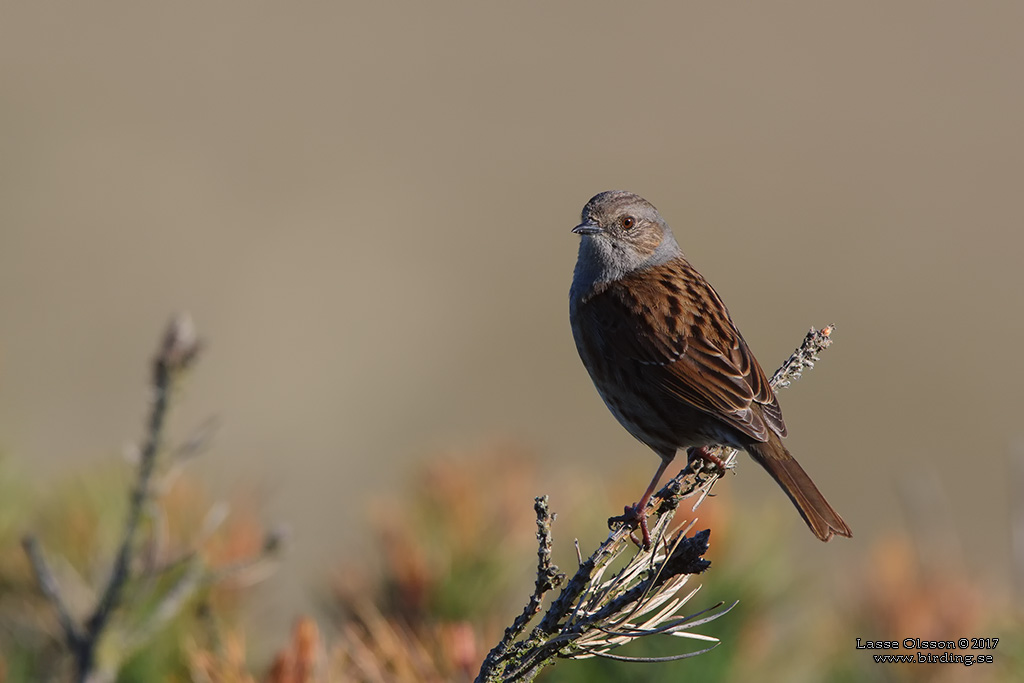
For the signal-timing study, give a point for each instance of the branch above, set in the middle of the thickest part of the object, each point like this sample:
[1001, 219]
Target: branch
[176, 353]
[50, 588]
[178, 350]
[548, 577]
[592, 615]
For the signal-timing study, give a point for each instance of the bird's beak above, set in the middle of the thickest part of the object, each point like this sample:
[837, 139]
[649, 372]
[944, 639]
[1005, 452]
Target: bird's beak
[588, 228]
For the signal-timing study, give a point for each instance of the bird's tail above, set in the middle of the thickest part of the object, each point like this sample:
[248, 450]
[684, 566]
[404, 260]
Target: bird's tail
[819, 515]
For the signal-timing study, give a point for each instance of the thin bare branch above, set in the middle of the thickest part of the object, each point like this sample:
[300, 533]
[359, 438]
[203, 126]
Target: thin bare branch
[177, 351]
[548, 578]
[142, 564]
[51, 591]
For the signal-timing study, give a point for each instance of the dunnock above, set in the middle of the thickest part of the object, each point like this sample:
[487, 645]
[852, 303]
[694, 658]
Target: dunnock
[666, 357]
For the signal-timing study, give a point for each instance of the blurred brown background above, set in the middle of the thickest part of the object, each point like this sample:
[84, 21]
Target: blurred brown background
[367, 210]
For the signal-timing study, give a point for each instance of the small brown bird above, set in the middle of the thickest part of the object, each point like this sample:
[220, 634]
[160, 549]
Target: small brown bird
[666, 357]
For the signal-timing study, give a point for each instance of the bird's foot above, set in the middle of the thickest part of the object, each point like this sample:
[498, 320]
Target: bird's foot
[704, 453]
[634, 516]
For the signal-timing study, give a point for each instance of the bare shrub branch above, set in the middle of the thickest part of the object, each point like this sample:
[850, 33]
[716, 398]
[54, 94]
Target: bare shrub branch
[186, 575]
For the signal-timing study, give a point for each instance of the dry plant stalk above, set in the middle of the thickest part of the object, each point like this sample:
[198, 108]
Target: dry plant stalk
[594, 614]
[187, 574]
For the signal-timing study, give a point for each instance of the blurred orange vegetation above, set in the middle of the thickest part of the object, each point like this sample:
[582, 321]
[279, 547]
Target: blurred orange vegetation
[239, 535]
[464, 525]
[903, 596]
[898, 595]
[300, 661]
[226, 664]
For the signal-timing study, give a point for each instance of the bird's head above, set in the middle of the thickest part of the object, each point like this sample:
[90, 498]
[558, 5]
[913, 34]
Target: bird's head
[621, 233]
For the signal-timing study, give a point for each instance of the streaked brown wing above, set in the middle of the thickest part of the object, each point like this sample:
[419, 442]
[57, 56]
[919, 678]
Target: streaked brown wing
[654, 319]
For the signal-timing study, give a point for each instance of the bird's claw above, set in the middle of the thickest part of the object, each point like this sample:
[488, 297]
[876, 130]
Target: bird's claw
[634, 517]
[705, 455]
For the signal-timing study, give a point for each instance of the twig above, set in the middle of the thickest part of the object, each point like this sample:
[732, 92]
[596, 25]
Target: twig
[548, 577]
[804, 358]
[591, 615]
[73, 635]
[194, 577]
[178, 349]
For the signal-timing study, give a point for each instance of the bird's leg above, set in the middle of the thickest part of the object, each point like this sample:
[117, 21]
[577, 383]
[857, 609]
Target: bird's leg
[637, 514]
[704, 453]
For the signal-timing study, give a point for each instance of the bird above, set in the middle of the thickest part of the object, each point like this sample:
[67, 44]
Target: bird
[667, 359]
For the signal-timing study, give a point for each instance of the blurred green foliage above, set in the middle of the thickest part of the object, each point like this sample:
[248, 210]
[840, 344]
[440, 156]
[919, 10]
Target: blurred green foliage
[78, 521]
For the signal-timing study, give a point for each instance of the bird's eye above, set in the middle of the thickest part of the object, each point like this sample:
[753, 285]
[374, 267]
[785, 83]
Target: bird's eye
[627, 222]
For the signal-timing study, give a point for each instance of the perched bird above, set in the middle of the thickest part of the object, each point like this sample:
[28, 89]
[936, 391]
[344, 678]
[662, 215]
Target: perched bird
[666, 357]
